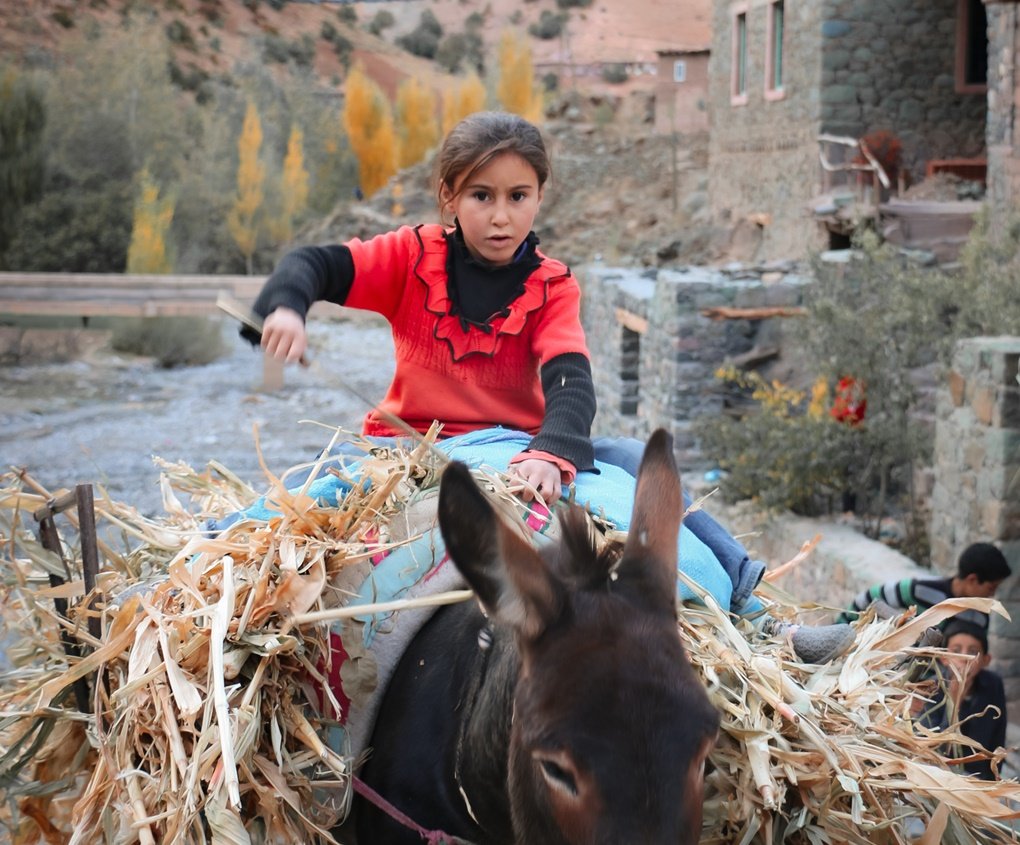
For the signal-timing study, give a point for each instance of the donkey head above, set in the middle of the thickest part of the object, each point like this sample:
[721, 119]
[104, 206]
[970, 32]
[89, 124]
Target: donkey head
[611, 724]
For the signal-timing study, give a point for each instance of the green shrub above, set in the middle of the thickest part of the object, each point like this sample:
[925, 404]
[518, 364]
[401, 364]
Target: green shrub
[879, 319]
[383, 20]
[171, 341]
[787, 453]
[573, 4]
[548, 26]
[178, 32]
[615, 73]
[423, 40]
[348, 14]
[64, 17]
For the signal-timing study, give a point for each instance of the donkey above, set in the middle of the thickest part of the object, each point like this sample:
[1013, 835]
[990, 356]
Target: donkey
[565, 709]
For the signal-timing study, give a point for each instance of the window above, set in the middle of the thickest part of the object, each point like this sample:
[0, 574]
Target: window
[971, 47]
[679, 71]
[738, 71]
[774, 54]
[630, 372]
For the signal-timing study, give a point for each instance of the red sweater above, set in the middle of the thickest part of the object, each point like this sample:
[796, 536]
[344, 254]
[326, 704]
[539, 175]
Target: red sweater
[467, 379]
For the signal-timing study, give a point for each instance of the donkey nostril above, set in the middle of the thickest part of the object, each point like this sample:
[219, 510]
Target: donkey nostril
[558, 777]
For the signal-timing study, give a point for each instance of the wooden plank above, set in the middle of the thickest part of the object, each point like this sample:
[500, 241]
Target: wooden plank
[723, 312]
[120, 295]
[632, 321]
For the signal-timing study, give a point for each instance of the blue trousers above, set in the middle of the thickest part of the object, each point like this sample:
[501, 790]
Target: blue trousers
[625, 453]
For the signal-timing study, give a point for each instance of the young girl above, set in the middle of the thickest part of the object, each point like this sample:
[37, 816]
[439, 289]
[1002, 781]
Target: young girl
[486, 328]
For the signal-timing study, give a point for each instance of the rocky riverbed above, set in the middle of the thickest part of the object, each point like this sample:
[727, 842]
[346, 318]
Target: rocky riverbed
[102, 416]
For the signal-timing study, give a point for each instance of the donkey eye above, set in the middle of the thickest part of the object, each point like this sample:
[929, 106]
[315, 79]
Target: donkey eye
[557, 776]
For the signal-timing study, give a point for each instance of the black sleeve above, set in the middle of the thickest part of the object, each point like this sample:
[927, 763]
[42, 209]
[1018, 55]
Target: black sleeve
[569, 410]
[302, 277]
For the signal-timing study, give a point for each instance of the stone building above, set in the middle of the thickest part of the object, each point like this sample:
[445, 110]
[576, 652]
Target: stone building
[655, 353]
[1003, 132]
[782, 74]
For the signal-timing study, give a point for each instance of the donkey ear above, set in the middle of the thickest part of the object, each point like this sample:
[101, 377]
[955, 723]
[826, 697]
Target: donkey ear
[647, 570]
[511, 580]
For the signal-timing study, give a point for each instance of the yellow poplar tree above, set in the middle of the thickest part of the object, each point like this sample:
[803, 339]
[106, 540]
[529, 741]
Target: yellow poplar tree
[152, 218]
[369, 124]
[243, 219]
[293, 188]
[417, 127]
[516, 89]
[466, 97]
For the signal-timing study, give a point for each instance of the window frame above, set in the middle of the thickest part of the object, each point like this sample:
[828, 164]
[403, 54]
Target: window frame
[776, 13]
[963, 37]
[739, 54]
[679, 70]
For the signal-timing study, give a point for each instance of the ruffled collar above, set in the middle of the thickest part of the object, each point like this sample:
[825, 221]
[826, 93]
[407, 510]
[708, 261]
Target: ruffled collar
[465, 337]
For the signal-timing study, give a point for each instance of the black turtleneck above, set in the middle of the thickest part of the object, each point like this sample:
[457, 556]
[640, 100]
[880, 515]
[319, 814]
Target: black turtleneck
[479, 291]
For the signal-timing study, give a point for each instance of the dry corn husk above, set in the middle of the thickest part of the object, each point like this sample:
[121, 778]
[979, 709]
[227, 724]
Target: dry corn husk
[211, 724]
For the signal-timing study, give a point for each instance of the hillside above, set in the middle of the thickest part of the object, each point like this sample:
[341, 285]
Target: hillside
[215, 34]
[612, 195]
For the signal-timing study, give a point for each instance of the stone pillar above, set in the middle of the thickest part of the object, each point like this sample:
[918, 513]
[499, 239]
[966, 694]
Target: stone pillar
[977, 479]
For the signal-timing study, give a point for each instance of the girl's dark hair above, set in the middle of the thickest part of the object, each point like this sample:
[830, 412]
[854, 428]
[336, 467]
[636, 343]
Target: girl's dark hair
[481, 137]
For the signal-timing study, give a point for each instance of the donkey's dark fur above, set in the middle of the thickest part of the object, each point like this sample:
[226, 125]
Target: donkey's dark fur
[583, 722]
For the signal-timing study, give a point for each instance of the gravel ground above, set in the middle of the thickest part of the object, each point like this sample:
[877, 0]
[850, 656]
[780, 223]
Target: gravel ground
[101, 418]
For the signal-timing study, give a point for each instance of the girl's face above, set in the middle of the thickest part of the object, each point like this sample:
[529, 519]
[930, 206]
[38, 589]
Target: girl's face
[496, 208]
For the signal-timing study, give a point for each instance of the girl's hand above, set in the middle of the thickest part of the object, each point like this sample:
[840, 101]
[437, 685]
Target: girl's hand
[539, 475]
[284, 336]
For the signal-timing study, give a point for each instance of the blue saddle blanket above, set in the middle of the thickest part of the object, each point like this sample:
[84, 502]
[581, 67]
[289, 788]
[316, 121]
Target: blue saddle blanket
[609, 493]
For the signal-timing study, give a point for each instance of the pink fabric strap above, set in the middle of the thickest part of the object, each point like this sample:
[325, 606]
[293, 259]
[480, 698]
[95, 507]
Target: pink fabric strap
[432, 837]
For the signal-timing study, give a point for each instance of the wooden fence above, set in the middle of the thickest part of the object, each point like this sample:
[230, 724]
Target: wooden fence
[120, 295]
[86, 295]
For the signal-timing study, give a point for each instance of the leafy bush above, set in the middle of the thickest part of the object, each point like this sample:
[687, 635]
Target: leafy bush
[459, 50]
[788, 453]
[881, 320]
[278, 49]
[383, 20]
[64, 17]
[423, 40]
[348, 14]
[77, 230]
[172, 341]
[573, 4]
[178, 32]
[549, 25]
[615, 73]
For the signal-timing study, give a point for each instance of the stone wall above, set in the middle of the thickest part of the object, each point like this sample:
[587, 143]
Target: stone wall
[892, 66]
[655, 356]
[850, 67]
[1003, 97]
[977, 478]
[763, 162]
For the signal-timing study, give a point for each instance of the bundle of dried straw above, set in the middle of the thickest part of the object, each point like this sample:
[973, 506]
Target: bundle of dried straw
[208, 704]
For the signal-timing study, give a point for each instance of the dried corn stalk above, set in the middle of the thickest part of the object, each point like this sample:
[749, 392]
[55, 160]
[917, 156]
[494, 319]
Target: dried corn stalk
[212, 706]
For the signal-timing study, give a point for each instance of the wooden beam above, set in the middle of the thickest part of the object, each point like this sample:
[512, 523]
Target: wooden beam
[723, 312]
[632, 321]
